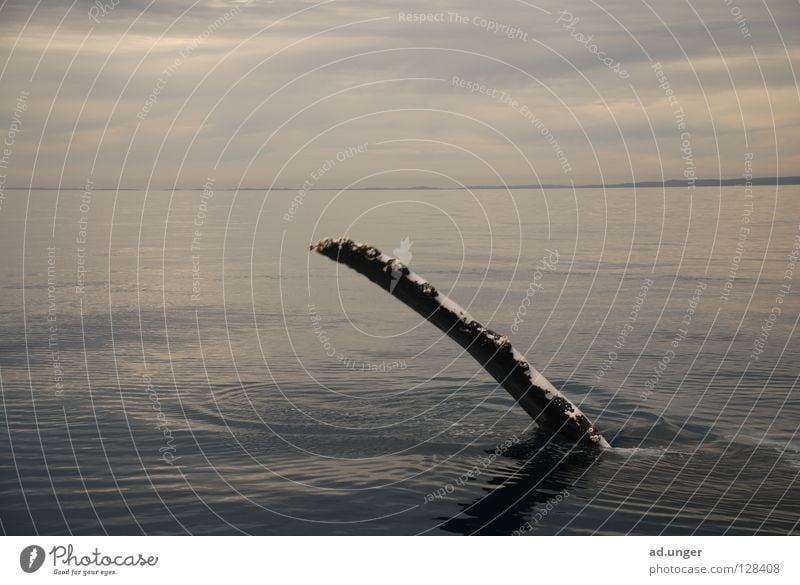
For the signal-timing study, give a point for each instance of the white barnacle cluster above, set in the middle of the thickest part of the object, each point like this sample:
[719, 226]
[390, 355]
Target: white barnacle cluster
[322, 244]
[393, 265]
[497, 339]
[428, 289]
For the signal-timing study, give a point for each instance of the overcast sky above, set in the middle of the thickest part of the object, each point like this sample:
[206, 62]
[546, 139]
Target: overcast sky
[171, 93]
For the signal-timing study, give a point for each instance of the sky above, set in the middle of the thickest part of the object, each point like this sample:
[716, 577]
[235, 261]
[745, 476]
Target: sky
[338, 93]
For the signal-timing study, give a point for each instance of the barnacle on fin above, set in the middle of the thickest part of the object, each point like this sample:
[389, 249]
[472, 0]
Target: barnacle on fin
[428, 289]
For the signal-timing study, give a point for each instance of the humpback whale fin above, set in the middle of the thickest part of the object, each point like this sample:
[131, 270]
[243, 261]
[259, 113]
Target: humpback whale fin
[539, 398]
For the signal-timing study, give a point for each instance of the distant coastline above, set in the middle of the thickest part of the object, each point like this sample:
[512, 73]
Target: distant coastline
[672, 183]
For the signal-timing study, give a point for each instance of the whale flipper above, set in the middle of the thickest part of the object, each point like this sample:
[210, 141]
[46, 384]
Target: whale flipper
[541, 400]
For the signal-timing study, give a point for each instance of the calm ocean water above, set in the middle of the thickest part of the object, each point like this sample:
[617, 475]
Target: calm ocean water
[179, 363]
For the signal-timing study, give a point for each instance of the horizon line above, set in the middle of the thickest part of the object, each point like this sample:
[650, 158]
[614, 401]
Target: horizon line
[668, 183]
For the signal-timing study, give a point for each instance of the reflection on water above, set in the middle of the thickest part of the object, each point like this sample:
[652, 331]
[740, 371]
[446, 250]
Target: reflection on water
[539, 473]
[248, 387]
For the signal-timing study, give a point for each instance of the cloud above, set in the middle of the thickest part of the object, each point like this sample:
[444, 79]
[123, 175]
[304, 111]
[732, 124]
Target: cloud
[259, 93]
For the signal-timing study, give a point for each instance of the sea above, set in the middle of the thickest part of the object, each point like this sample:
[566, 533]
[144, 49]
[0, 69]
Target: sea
[178, 362]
